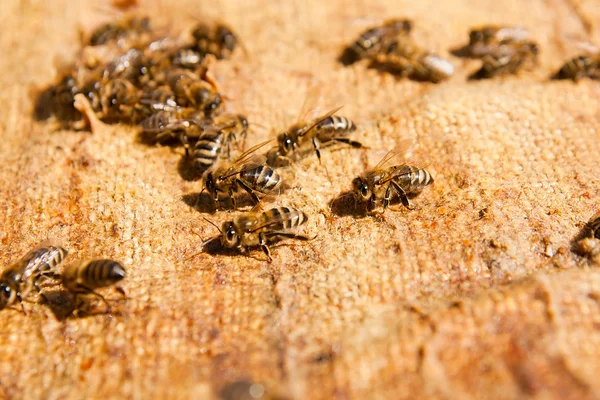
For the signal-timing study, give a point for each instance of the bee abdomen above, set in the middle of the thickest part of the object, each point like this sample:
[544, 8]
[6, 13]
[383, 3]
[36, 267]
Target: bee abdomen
[438, 67]
[101, 273]
[45, 258]
[207, 149]
[262, 179]
[338, 124]
[290, 218]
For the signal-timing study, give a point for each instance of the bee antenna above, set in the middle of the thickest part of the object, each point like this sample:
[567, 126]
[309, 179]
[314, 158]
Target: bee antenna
[213, 224]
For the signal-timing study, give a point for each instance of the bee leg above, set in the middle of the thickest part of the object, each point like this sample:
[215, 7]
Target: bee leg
[387, 197]
[353, 143]
[21, 303]
[402, 195]
[249, 190]
[262, 241]
[288, 235]
[232, 197]
[85, 290]
[316, 146]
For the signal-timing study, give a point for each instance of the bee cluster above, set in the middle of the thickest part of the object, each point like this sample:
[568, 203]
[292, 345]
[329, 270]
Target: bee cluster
[503, 50]
[40, 265]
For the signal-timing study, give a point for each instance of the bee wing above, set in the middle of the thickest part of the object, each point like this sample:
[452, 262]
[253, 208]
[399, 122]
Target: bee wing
[311, 99]
[248, 160]
[396, 156]
[276, 220]
[320, 119]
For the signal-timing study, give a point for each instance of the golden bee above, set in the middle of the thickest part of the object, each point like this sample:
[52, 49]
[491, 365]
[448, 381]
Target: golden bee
[404, 58]
[326, 129]
[392, 175]
[373, 40]
[486, 39]
[261, 229]
[117, 31]
[217, 135]
[84, 277]
[507, 60]
[247, 172]
[218, 40]
[23, 276]
[191, 91]
[583, 66]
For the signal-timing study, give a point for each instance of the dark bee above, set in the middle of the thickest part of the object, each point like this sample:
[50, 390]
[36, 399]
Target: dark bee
[180, 123]
[84, 277]
[132, 26]
[593, 226]
[486, 39]
[118, 98]
[391, 175]
[218, 134]
[373, 40]
[218, 40]
[583, 66]
[404, 58]
[247, 172]
[260, 229]
[18, 280]
[507, 60]
[325, 129]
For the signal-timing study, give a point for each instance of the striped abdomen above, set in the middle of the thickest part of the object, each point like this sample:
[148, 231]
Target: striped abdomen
[334, 126]
[92, 274]
[578, 67]
[283, 218]
[262, 179]
[207, 149]
[412, 179]
[161, 98]
[159, 121]
[42, 260]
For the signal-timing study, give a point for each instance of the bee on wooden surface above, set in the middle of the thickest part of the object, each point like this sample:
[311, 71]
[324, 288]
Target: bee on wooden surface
[192, 91]
[120, 30]
[404, 58]
[391, 175]
[583, 66]
[18, 280]
[484, 40]
[326, 129]
[218, 40]
[507, 60]
[84, 277]
[218, 135]
[371, 41]
[118, 98]
[180, 123]
[248, 172]
[260, 229]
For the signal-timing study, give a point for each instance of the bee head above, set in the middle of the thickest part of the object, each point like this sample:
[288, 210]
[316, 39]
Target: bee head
[286, 144]
[361, 188]
[476, 37]
[229, 237]
[6, 295]
[210, 185]
[212, 104]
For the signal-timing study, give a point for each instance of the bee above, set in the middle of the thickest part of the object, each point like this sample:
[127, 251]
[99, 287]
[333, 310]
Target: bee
[192, 91]
[260, 229]
[248, 172]
[218, 134]
[181, 123]
[118, 99]
[161, 98]
[587, 65]
[18, 280]
[507, 60]
[84, 277]
[326, 129]
[371, 41]
[593, 226]
[484, 40]
[218, 40]
[404, 58]
[187, 58]
[117, 31]
[129, 66]
[388, 176]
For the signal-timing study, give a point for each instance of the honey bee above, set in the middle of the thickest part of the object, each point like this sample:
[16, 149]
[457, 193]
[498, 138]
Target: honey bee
[260, 229]
[218, 40]
[118, 31]
[129, 66]
[508, 59]
[326, 129]
[486, 39]
[118, 98]
[371, 41]
[404, 58]
[390, 175]
[191, 91]
[248, 172]
[18, 280]
[583, 66]
[180, 123]
[161, 98]
[217, 135]
[593, 226]
[84, 277]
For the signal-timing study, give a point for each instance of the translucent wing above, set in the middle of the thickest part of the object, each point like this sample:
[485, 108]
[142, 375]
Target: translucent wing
[275, 220]
[248, 160]
[320, 119]
[396, 156]
[310, 105]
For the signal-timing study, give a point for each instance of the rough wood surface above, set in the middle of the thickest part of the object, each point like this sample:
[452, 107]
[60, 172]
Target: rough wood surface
[474, 294]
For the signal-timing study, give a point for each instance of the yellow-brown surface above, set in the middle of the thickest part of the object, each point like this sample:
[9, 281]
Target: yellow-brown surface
[474, 294]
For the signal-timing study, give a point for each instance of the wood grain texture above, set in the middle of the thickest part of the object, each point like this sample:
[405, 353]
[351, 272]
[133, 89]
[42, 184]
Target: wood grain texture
[474, 294]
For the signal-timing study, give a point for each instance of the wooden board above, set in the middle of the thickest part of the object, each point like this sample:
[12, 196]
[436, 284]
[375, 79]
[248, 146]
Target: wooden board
[474, 294]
